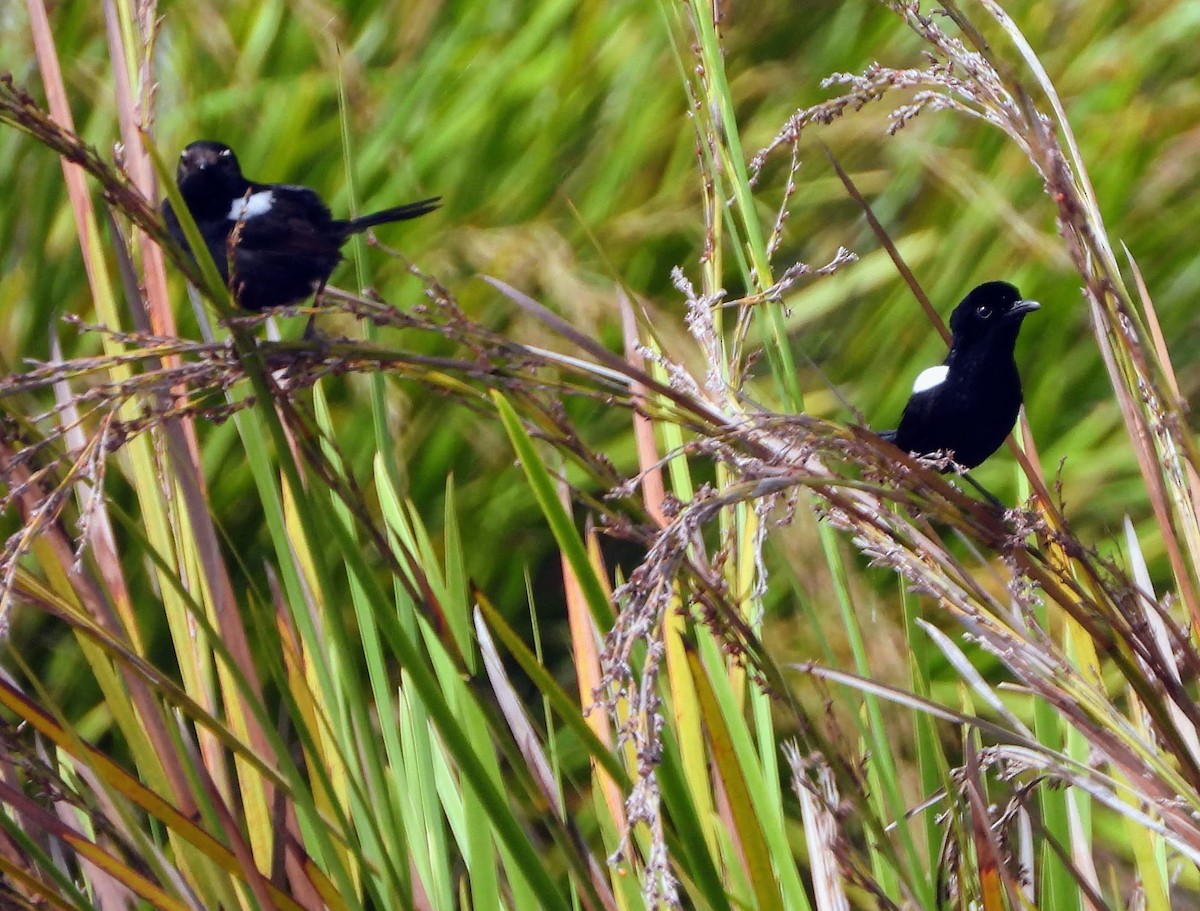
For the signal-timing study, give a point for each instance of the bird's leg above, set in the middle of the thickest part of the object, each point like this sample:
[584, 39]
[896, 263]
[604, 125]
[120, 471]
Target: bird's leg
[310, 331]
[991, 498]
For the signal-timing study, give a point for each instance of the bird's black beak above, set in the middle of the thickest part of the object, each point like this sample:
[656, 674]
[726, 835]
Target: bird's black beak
[199, 160]
[1020, 308]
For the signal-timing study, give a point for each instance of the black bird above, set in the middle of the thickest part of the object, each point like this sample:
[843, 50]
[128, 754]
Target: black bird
[287, 244]
[966, 407]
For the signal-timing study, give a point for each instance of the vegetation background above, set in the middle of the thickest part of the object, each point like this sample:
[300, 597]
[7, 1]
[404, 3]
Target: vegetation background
[562, 136]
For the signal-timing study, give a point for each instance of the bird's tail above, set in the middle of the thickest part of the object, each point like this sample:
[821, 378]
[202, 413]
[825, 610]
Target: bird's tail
[399, 213]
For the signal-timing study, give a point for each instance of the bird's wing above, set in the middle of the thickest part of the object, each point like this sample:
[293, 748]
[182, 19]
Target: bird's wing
[213, 233]
[294, 222]
[931, 377]
[301, 201]
[916, 422]
[171, 220]
[917, 431]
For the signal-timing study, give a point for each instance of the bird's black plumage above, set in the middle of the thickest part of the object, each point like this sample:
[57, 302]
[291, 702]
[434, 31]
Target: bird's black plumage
[966, 407]
[287, 242]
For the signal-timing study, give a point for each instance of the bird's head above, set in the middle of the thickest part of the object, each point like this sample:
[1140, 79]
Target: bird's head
[989, 310]
[210, 167]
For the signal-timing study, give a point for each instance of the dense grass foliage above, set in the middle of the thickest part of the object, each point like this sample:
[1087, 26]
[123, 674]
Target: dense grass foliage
[579, 149]
[557, 133]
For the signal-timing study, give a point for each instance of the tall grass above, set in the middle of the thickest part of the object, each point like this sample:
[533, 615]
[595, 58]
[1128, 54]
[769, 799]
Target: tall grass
[266, 655]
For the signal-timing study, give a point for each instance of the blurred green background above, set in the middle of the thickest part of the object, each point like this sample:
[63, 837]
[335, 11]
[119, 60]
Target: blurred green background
[557, 132]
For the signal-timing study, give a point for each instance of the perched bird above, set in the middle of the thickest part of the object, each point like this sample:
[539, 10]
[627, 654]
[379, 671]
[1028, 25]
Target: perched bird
[965, 407]
[286, 244]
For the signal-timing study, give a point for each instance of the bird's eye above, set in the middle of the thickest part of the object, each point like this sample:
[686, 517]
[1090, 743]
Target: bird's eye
[984, 311]
[225, 153]
[183, 155]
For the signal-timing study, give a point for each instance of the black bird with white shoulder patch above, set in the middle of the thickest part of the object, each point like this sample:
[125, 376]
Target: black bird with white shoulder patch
[286, 244]
[966, 407]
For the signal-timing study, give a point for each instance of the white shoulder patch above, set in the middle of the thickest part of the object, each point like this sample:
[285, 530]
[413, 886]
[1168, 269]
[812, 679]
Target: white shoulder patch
[255, 204]
[930, 377]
